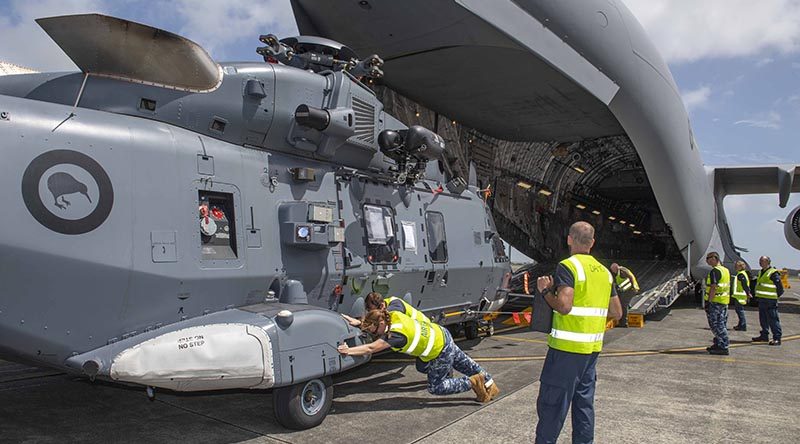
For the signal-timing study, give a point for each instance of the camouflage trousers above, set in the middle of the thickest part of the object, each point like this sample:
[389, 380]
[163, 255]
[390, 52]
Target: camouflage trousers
[439, 370]
[717, 315]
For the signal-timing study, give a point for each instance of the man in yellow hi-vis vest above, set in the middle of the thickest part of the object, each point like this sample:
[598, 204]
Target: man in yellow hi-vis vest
[768, 289]
[583, 297]
[717, 297]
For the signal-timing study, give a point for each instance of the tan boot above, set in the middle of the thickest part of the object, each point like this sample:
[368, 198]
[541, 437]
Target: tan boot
[493, 390]
[479, 387]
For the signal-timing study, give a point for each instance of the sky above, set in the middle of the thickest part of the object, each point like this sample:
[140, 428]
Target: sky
[736, 62]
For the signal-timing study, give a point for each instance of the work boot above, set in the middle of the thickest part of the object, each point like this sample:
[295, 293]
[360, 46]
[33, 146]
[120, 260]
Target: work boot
[775, 342]
[740, 328]
[760, 339]
[719, 351]
[492, 390]
[479, 387]
[712, 347]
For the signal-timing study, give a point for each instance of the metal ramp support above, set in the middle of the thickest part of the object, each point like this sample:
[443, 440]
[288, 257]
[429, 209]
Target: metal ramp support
[662, 296]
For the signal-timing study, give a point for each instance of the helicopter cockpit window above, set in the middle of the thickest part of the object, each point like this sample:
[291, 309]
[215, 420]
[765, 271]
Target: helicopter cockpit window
[217, 225]
[381, 236]
[437, 240]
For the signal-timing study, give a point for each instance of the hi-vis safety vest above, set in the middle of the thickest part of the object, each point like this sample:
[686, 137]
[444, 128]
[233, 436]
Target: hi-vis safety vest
[582, 329]
[722, 294]
[410, 311]
[424, 339]
[738, 293]
[625, 283]
[765, 288]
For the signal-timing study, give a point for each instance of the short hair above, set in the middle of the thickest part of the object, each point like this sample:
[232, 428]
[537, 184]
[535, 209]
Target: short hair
[713, 254]
[740, 263]
[582, 233]
[769, 261]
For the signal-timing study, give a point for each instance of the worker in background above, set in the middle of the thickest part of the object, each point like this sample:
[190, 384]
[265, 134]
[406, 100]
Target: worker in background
[768, 288]
[741, 294]
[627, 288]
[432, 344]
[717, 297]
[583, 298]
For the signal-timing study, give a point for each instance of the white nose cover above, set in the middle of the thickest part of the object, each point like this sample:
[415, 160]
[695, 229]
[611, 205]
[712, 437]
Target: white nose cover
[208, 357]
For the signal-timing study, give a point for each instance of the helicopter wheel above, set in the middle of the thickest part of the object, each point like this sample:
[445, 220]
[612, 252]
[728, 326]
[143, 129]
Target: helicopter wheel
[471, 330]
[304, 405]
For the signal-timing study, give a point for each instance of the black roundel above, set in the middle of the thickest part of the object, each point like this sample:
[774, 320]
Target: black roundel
[63, 184]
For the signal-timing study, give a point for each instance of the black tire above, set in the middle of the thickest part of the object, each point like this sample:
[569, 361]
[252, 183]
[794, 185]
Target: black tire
[293, 413]
[471, 330]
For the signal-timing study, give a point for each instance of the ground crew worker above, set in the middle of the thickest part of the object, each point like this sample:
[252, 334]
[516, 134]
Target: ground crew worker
[433, 345]
[768, 288]
[717, 297]
[627, 288]
[375, 301]
[741, 294]
[583, 297]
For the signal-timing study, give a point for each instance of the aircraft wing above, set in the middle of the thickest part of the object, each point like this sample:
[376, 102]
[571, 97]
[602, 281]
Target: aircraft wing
[112, 47]
[757, 179]
[524, 82]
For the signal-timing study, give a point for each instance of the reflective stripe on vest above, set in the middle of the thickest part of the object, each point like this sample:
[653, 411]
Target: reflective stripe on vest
[582, 329]
[738, 293]
[423, 339]
[410, 311]
[765, 289]
[624, 284]
[626, 280]
[722, 293]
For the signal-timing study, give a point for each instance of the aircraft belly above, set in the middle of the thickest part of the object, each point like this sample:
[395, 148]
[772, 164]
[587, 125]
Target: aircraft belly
[207, 357]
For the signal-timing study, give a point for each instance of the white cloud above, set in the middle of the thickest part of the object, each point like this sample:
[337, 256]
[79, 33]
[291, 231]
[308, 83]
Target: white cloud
[25, 43]
[688, 30]
[770, 120]
[696, 98]
[764, 62]
[215, 24]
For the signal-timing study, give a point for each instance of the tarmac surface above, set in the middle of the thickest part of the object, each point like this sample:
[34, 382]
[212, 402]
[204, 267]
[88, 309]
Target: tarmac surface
[656, 384]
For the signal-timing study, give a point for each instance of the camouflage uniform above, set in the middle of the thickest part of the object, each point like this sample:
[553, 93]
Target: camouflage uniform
[439, 370]
[718, 319]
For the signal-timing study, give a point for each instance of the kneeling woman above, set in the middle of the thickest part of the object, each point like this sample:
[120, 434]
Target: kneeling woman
[432, 345]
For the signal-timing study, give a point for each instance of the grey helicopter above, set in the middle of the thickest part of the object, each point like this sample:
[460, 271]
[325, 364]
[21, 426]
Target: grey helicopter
[177, 223]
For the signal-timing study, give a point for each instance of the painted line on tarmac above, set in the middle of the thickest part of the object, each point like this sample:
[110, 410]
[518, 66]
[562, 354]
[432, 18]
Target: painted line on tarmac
[535, 341]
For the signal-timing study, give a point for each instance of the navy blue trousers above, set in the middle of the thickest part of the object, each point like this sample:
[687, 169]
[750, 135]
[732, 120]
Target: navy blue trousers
[567, 378]
[439, 369]
[717, 315]
[768, 318]
[739, 312]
